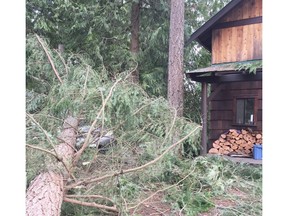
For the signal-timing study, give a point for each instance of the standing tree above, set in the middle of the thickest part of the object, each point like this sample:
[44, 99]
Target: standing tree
[135, 25]
[175, 60]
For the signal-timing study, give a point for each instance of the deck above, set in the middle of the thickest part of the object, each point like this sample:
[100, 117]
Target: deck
[239, 159]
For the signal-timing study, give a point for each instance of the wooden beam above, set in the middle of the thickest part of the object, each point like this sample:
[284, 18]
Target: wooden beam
[242, 22]
[204, 115]
[240, 77]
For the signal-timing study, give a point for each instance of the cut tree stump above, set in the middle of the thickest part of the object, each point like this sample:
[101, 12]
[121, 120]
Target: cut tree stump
[45, 193]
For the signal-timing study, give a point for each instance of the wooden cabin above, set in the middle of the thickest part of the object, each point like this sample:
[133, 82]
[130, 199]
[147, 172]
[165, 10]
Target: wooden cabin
[234, 38]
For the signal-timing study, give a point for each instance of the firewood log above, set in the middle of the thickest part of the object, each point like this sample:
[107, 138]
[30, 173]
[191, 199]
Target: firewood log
[237, 141]
[258, 136]
[223, 136]
[213, 151]
[215, 145]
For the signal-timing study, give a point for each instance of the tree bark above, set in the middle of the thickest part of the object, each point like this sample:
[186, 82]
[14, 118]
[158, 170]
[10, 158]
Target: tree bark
[135, 26]
[175, 61]
[45, 193]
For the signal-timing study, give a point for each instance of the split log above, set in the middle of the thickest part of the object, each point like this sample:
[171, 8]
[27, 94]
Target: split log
[213, 151]
[258, 136]
[216, 146]
[223, 136]
[45, 193]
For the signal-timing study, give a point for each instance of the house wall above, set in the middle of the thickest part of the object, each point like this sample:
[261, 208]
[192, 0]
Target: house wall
[233, 43]
[222, 107]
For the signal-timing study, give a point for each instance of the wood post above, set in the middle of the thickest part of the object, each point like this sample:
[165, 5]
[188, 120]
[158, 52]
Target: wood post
[203, 150]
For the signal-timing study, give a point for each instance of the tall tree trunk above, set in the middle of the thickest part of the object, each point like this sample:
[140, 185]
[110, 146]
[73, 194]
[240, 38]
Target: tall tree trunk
[135, 26]
[176, 49]
[45, 193]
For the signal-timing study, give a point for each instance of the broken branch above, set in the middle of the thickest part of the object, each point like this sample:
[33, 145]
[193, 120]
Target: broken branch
[49, 59]
[87, 181]
[91, 204]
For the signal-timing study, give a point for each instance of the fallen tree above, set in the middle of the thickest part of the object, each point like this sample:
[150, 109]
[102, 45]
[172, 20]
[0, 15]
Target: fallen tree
[45, 193]
[143, 128]
[48, 190]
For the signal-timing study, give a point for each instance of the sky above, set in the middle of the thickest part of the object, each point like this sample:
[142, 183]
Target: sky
[12, 84]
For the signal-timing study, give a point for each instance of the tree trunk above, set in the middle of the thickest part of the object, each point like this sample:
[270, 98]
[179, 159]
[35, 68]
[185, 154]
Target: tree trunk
[135, 25]
[176, 49]
[45, 193]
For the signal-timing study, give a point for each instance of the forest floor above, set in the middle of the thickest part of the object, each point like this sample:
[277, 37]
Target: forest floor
[157, 207]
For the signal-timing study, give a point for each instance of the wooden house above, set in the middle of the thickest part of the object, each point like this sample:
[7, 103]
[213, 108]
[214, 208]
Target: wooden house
[234, 38]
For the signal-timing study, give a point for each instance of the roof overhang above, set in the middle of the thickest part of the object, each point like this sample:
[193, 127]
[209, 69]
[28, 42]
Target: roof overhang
[228, 72]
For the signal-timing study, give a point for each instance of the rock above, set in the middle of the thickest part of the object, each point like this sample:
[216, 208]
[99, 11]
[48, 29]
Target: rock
[103, 142]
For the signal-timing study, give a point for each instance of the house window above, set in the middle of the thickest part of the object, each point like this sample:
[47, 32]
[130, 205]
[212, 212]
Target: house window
[245, 111]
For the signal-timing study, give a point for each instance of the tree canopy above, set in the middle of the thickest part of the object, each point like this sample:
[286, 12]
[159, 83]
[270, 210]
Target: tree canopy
[102, 31]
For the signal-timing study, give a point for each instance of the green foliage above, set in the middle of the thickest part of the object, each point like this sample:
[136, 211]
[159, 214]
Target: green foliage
[128, 188]
[102, 31]
[136, 119]
[210, 177]
[34, 101]
[192, 101]
[251, 67]
[94, 28]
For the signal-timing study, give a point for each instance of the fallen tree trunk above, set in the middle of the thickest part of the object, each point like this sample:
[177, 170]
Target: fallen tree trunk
[45, 193]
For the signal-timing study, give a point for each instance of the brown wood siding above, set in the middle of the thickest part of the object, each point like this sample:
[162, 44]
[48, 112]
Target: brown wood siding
[246, 9]
[222, 107]
[236, 44]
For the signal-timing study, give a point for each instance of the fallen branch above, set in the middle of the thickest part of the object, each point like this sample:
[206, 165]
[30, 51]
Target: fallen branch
[50, 60]
[45, 132]
[171, 127]
[58, 156]
[90, 196]
[44, 150]
[63, 61]
[91, 204]
[88, 181]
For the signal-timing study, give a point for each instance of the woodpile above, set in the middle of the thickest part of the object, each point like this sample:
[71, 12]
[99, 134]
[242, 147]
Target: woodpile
[236, 141]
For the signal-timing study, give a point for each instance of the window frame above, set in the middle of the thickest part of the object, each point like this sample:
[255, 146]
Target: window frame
[243, 97]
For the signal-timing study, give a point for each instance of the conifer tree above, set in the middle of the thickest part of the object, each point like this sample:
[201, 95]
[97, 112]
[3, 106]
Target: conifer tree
[175, 61]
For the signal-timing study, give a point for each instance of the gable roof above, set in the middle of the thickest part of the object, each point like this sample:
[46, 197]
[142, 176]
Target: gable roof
[203, 35]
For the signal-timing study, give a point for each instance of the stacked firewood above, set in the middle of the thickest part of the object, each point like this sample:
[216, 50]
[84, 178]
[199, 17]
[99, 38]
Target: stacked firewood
[236, 141]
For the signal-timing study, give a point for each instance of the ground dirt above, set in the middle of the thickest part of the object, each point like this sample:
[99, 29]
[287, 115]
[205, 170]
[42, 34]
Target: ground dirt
[157, 207]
